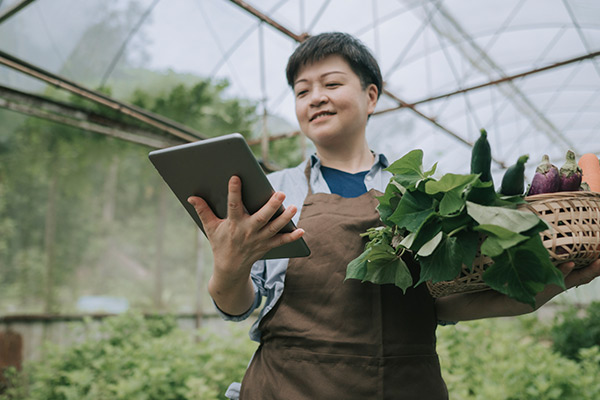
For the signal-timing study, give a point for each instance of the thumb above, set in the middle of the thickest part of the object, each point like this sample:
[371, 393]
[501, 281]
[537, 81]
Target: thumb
[206, 215]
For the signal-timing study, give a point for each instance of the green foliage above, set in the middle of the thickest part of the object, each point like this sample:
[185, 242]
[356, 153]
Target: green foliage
[203, 107]
[135, 358]
[576, 330]
[79, 211]
[511, 359]
[130, 357]
[441, 222]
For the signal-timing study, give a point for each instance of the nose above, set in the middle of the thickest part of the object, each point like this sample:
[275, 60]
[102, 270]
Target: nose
[318, 97]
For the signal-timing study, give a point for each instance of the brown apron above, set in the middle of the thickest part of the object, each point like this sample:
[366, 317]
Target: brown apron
[327, 338]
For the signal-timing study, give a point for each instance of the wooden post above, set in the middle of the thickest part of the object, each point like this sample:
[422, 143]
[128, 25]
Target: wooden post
[11, 353]
[50, 238]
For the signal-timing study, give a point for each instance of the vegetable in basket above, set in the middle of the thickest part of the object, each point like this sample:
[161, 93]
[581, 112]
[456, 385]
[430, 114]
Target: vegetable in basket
[570, 174]
[513, 181]
[591, 171]
[440, 222]
[546, 178]
[481, 158]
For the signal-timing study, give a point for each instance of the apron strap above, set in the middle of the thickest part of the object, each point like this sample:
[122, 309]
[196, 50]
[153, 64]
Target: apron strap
[307, 175]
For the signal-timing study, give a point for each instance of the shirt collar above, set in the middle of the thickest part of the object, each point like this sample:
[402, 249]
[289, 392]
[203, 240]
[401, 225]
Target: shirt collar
[380, 161]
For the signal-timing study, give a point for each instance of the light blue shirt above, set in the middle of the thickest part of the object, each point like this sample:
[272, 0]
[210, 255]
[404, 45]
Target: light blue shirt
[268, 276]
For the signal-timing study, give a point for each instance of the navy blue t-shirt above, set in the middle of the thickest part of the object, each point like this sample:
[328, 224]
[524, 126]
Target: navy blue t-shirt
[343, 183]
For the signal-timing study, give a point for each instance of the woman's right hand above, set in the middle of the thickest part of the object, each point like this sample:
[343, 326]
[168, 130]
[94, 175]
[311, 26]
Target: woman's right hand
[241, 239]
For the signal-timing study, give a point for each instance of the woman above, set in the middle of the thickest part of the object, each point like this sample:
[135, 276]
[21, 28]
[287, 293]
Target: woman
[322, 337]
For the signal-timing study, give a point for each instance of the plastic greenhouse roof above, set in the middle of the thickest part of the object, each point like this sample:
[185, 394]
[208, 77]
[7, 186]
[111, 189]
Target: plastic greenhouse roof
[450, 66]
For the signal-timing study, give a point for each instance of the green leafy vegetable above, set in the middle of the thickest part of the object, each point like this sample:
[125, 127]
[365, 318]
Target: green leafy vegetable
[380, 263]
[443, 223]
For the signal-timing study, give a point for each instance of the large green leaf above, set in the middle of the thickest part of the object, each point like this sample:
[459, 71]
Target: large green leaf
[377, 265]
[540, 227]
[498, 239]
[523, 271]
[403, 277]
[452, 202]
[505, 277]
[552, 274]
[469, 242]
[408, 240]
[380, 251]
[514, 220]
[449, 182]
[444, 264]
[413, 209]
[357, 268]
[430, 246]
[395, 272]
[411, 161]
[455, 221]
[427, 231]
[408, 170]
[408, 179]
[388, 203]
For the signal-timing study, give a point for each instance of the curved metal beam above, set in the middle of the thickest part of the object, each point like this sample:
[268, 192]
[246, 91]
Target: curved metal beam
[14, 9]
[158, 121]
[494, 82]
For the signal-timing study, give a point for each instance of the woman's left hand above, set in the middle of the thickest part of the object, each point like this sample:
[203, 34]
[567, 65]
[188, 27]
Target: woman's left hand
[489, 303]
[580, 276]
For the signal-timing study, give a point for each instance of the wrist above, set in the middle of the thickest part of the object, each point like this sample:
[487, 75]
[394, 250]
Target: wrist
[222, 282]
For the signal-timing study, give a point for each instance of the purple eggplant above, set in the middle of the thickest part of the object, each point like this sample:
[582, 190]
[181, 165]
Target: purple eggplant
[570, 174]
[546, 178]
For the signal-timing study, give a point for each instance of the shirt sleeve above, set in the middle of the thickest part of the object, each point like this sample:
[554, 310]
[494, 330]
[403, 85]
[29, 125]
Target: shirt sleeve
[256, 275]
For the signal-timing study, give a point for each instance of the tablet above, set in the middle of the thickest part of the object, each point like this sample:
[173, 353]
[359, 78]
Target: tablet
[204, 168]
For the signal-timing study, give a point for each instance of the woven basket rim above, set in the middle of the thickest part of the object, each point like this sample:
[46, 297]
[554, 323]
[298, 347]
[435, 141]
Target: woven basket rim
[561, 195]
[547, 205]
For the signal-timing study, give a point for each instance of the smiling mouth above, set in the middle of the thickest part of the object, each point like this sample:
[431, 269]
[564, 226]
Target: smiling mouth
[321, 114]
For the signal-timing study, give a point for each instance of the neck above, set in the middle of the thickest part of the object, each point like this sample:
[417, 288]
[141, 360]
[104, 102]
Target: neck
[351, 160]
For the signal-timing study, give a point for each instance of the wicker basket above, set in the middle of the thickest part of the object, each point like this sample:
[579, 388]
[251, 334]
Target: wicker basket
[575, 236]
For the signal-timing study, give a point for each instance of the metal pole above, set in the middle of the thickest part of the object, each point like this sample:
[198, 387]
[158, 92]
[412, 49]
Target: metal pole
[14, 9]
[138, 113]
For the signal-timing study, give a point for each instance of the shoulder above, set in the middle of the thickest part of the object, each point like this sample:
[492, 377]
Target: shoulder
[287, 176]
[378, 176]
[292, 182]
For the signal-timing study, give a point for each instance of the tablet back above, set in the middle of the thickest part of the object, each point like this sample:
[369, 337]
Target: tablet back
[203, 169]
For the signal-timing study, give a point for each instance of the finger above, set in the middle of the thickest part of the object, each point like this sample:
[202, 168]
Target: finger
[206, 215]
[266, 212]
[566, 268]
[285, 238]
[235, 207]
[584, 275]
[275, 226]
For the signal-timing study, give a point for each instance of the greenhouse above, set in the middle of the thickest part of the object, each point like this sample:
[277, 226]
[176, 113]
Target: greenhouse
[103, 273]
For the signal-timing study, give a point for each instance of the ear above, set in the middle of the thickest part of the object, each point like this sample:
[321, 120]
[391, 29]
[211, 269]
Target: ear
[372, 95]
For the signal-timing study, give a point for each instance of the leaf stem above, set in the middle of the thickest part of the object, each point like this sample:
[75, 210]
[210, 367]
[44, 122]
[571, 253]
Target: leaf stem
[460, 228]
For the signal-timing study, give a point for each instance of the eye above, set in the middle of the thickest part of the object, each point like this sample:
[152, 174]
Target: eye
[332, 84]
[301, 93]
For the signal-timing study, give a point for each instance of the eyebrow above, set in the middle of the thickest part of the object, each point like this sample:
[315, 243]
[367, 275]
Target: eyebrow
[322, 76]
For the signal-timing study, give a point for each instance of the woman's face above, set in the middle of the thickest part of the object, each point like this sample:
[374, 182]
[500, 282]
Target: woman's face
[331, 105]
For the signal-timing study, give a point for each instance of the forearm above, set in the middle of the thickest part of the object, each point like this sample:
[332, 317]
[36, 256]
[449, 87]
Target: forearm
[233, 297]
[488, 304]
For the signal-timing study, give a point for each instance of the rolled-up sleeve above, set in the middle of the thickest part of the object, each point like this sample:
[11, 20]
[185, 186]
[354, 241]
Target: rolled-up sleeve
[258, 281]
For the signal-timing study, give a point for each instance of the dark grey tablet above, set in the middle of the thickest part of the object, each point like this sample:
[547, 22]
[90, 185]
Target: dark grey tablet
[203, 169]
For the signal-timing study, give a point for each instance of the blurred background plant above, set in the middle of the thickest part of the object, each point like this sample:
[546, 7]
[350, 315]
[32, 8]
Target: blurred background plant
[131, 357]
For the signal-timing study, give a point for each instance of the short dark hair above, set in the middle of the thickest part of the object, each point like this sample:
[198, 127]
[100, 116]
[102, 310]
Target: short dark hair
[356, 54]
